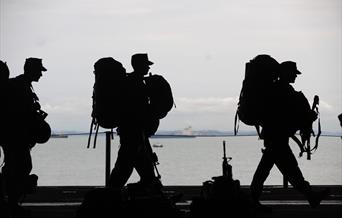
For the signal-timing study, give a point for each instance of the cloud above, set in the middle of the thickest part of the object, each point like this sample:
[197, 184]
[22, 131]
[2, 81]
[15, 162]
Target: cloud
[325, 106]
[68, 114]
[183, 105]
[69, 106]
[180, 37]
[204, 105]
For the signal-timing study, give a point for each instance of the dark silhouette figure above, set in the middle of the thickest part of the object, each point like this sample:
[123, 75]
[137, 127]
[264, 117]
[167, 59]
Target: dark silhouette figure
[22, 127]
[340, 119]
[140, 102]
[286, 112]
[221, 196]
[4, 75]
[135, 128]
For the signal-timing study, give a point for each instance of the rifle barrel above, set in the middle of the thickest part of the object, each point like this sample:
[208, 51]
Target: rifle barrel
[224, 149]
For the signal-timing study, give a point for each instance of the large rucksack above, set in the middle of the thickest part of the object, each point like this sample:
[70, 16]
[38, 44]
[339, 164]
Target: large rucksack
[160, 95]
[260, 75]
[110, 78]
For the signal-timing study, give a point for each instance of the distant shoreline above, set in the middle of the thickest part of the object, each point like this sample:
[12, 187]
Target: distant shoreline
[65, 135]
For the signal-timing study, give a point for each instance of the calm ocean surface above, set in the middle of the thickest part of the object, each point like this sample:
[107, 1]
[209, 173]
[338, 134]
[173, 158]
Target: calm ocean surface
[183, 161]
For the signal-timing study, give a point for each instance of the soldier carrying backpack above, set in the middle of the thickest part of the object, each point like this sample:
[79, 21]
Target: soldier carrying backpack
[286, 112]
[133, 104]
[4, 76]
[25, 113]
[134, 129]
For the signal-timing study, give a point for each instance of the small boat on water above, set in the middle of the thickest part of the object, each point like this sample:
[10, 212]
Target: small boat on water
[158, 145]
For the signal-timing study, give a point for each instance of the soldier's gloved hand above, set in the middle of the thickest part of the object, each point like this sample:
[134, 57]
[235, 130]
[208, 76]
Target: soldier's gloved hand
[301, 154]
[154, 157]
[313, 115]
[302, 150]
[305, 133]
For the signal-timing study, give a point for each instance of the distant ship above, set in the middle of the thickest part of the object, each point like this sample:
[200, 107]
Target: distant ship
[185, 133]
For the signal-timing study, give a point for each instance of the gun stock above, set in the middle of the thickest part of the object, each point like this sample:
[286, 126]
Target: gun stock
[313, 108]
[226, 168]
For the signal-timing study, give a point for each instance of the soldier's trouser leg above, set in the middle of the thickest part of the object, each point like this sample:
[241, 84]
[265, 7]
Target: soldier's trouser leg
[18, 165]
[144, 163]
[288, 166]
[123, 166]
[2, 191]
[132, 154]
[263, 170]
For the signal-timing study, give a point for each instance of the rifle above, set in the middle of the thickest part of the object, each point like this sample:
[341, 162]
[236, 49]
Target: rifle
[154, 157]
[226, 167]
[306, 136]
[155, 163]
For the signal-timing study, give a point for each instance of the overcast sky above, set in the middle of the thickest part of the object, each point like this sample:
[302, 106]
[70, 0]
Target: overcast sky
[199, 46]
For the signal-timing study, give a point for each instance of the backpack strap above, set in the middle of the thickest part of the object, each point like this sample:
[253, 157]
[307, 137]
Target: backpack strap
[257, 127]
[90, 131]
[300, 145]
[96, 132]
[236, 123]
[319, 130]
[318, 135]
[2, 163]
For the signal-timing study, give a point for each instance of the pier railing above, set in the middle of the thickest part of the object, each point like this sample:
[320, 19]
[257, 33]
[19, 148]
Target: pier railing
[103, 169]
[108, 152]
[108, 161]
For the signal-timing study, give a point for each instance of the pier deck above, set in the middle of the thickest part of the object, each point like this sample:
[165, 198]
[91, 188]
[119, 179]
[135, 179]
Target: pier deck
[62, 202]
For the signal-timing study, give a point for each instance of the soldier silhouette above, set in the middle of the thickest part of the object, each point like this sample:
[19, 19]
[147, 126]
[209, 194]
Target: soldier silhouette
[287, 111]
[4, 75]
[135, 128]
[23, 106]
[140, 102]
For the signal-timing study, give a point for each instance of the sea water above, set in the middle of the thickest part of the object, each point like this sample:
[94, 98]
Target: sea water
[183, 161]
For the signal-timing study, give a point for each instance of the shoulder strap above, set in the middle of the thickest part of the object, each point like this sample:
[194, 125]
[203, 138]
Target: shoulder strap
[257, 127]
[319, 131]
[236, 123]
[90, 131]
[299, 143]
